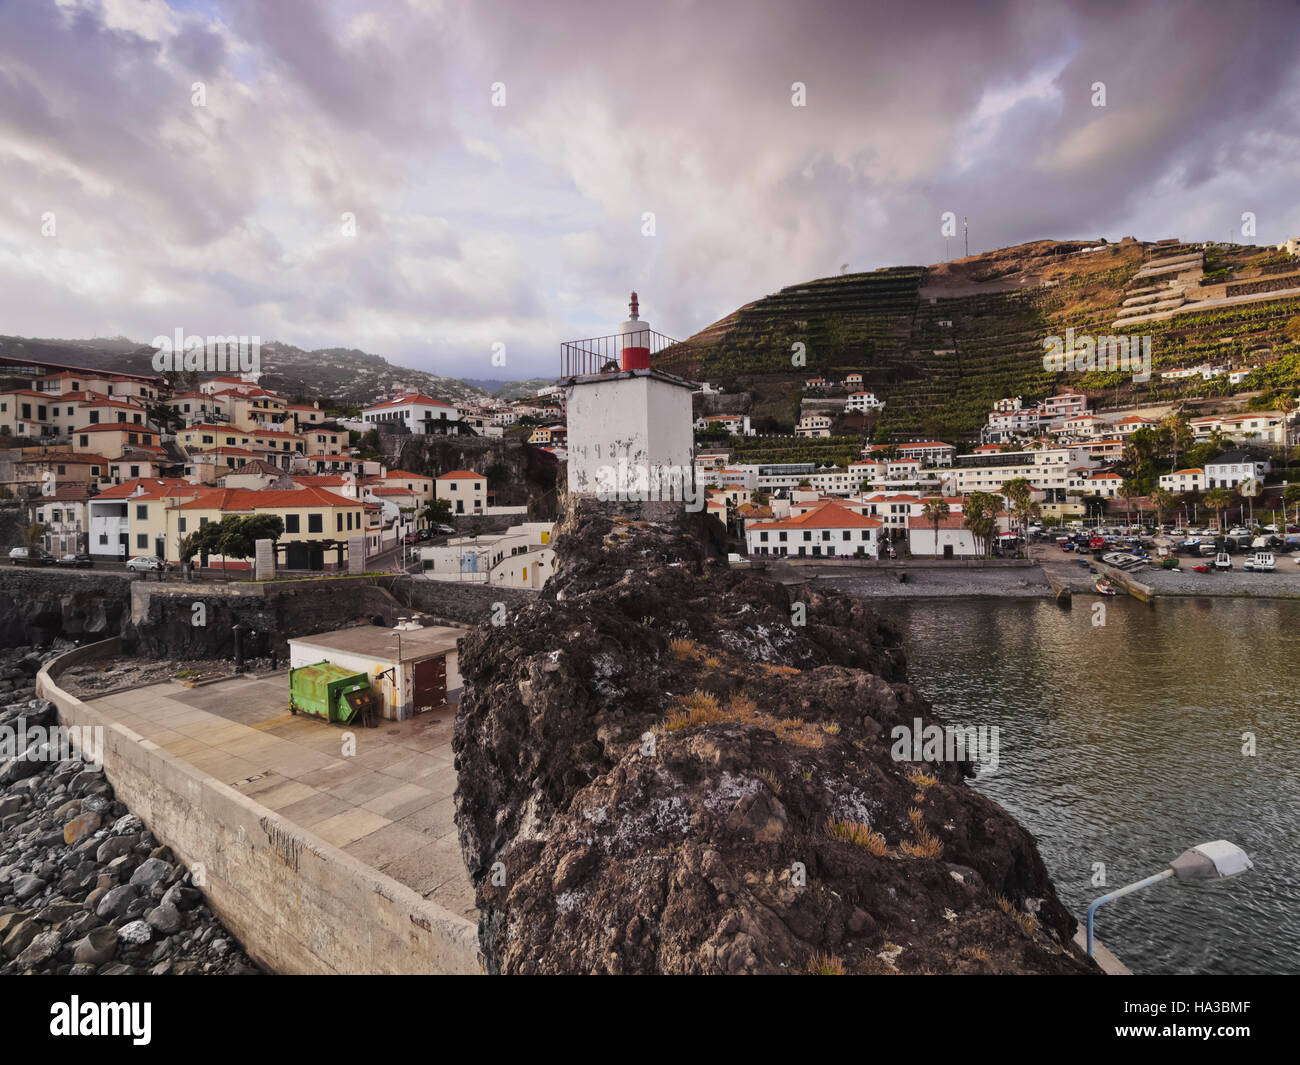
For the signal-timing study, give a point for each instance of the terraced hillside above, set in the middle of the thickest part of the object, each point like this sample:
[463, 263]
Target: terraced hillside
[941, 344]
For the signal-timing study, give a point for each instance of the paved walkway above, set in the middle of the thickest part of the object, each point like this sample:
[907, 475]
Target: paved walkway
[389, 803]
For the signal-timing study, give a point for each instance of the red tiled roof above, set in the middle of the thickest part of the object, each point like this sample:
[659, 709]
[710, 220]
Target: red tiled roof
[408, 399]
[827, 516]
[155, 487]
[460, 475]
[117, 427]
[244, 499]
[320, 480]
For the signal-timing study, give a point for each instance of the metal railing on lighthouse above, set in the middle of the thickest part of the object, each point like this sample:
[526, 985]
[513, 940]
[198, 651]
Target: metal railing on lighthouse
[603, 354]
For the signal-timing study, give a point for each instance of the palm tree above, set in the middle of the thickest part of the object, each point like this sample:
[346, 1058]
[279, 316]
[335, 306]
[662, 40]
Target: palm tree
[978, 510]
[1218, 500]
[1290, 498]
[1179, 433]
[1128, 489]
[1249, 489]
[1162, 499]
[935, 511]
[1018, 493]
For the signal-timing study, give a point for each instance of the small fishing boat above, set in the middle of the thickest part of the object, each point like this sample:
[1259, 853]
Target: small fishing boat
[1104, 587]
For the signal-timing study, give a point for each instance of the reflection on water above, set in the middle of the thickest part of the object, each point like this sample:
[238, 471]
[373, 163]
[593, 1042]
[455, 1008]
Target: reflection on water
[1121, 745]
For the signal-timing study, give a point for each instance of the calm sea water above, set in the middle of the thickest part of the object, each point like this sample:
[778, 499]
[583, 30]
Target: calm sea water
[1122, 745]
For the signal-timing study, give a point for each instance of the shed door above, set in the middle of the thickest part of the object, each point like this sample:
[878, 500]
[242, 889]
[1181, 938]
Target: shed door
[430, 684]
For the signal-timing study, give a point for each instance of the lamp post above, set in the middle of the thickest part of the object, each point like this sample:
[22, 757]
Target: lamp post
[1208, 861]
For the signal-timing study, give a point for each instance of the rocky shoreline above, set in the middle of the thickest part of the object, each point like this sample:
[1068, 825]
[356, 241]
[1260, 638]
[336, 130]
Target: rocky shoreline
[85, 889]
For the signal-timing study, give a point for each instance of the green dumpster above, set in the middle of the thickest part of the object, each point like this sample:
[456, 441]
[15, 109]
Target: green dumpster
[331, 692]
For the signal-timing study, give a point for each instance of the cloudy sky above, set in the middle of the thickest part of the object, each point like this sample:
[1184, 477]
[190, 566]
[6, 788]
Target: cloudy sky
[341, 173]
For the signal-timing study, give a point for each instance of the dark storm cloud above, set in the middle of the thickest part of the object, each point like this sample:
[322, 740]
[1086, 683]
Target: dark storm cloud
[524, 223]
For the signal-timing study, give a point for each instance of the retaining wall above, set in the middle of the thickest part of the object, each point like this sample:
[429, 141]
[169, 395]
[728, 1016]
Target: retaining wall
[297, 903]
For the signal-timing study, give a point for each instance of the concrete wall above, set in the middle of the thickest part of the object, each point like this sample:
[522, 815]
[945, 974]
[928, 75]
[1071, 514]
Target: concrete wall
[463, 602]
[297, 904]
[640, 420]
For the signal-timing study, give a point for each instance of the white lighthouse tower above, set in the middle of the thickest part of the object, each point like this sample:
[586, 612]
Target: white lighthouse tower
[630, 432]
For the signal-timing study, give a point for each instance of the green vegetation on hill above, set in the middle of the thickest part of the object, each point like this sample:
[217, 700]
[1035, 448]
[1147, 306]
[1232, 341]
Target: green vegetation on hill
[942, 344]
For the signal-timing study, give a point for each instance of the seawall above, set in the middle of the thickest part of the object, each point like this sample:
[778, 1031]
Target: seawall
[299, 904]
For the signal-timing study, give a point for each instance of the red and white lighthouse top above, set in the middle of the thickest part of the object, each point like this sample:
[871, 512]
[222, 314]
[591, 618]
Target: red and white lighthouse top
[634, 340]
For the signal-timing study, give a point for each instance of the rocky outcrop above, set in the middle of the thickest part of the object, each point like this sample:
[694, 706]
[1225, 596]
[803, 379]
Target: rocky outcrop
[40, 605]
[527, 475]
[662, 770]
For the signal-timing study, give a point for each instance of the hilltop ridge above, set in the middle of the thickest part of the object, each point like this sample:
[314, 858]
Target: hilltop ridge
[941, 343]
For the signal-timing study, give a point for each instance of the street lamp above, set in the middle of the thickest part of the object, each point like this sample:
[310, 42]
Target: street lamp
[1209, 861]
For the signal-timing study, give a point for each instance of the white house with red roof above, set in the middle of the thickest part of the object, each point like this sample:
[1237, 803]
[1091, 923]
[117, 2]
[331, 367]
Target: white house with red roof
[829, 529]
[953, 539]
[420, 414]
[863, 401]
[1126, 427]
[465, 490]
[417, 484]
[1106, 485]
[1188, 480]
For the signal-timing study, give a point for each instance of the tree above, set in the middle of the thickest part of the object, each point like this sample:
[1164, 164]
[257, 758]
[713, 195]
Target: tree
[1218, 500]
[438, 512]
[1177, 431]
[1019, 493]
[935, 511]
[1162, 499]
[234, 536]
[33, 535]
[1128, 489]
[1291, 495]
[979, 515]
[1249, 489]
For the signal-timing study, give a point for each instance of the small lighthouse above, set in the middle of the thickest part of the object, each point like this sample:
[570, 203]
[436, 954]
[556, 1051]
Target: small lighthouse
[634, 339]
[631, 440]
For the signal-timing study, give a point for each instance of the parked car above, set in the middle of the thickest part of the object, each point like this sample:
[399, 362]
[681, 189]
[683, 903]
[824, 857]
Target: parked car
[75, 561]
[34, 556]
[143, 563]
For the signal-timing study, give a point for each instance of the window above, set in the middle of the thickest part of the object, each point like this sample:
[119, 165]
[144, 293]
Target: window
[142, 540]
[315, 523]
[338, 522]
[142, 511]
[103, 539]
[182, 524]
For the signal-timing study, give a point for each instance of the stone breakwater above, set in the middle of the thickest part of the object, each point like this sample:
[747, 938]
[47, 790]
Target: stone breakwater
[85, 889]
